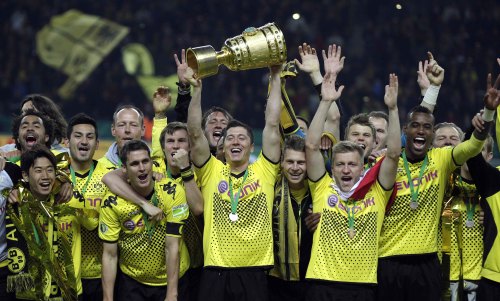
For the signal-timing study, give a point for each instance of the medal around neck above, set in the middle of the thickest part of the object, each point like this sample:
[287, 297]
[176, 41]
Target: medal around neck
[469, 223]
[413, 205]
[351, 233]
[233, 217]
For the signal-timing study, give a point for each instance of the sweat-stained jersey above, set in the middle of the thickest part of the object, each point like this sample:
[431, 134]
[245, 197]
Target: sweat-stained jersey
[91, 202]
[247, 242]
[414, 231]
[335, 256]
[142, 254]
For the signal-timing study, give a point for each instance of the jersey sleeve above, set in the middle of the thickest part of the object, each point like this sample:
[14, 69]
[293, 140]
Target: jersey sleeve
[317, 189]
[467, 149]
[207, 170]
[178, 212]
[270, 169]
[109, 224]
[158, 126]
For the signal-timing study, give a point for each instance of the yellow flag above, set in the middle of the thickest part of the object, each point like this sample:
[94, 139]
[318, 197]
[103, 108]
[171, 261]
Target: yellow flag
[75, 44]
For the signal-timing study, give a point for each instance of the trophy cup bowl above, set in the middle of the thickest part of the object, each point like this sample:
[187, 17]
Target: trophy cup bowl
[254, 48]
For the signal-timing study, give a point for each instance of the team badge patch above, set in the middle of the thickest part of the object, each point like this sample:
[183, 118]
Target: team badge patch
[223, 186]
[332, 200]
[103, 227]
[129, 225]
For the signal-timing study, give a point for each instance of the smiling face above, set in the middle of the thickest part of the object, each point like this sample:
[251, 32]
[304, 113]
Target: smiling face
[419, 132]
[446, 136]
[237, 146]
[31, 132]
[127, 126]
[41, 178]
[215, 123]
[363, 136]
[83, 143]
[173, 142]
[138, 170]
[293, 168]
[347, 169]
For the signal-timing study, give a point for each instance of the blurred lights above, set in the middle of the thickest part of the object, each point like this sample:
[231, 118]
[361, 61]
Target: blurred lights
[296, 16]
[399, 6]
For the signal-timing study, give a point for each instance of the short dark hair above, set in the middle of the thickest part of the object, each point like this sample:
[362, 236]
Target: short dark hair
[379, 114]
[38, 151]
[130, 146]
[48, 125]
[131, 107]
[419, 109]
[49, 108]
[450, 125]
[293, 142]
[361, 119]
[171, 128]
[81, 118]
[236, 123]
[212, 110]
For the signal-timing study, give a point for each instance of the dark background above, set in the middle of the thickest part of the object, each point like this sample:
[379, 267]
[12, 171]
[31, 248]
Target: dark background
[376, 38]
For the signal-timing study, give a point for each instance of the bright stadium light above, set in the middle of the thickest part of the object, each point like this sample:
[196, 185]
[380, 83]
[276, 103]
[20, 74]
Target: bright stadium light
[296, 16]
[399, 6]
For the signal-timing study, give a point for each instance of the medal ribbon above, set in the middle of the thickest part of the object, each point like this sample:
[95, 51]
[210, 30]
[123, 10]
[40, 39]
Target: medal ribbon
[73, 179]
[235, 198]
[150, 227]
[414, 194]
[350, 215]
[469, 202]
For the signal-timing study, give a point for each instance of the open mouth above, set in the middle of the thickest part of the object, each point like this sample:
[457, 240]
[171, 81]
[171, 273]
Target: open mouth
[419, 143]
[362, 146]
[30, 139]
[236, 150]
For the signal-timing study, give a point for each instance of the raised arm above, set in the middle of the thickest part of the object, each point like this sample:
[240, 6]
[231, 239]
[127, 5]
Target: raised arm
[161, 102]
[388, 169]
[271, 134]
[435, 77]
[172, 261]
[473, 146]
[193, 193]
[315, 164]
[184, 89]
[117, 184]
[109, 267]
[309, 63]
[200, 149]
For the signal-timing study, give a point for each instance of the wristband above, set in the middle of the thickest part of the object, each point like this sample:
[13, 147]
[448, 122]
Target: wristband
[488, 115]
[187, 174]
[431, 95]
[183, 89]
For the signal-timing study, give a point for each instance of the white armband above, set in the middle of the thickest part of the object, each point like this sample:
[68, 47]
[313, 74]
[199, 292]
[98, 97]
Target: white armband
[488, 115]
[431, 95]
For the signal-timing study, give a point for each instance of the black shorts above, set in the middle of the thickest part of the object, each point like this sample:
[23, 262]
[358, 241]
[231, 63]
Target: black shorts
[488, 290]
[131, 290]
[408, 278]
[281, 290]
[242, 284]
[92, 289]
[340, 291]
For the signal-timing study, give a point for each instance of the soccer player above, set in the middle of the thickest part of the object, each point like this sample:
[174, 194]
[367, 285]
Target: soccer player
[148, 253]
[88, 193]
[408, 242]
[237, 201]
[292, 239]
[361, 131]
[345, 245]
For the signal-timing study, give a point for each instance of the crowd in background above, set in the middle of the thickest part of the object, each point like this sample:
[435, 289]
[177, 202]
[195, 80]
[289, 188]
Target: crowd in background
[463, 36]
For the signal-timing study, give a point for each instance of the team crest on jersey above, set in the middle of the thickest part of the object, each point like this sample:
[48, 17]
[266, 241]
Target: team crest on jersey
[223, 186]
[103, 227]
[332, 200]
[17, 259]
[129, 225]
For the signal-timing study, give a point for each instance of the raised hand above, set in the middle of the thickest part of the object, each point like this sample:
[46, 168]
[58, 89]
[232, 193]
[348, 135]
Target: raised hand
[181, 158]
[328, 91]
[391, 92]
[181, 67]
[332, 60]
[492, 96]
[190, 76]
[161, 101]
[422, 80]
[434, 72]
[309, 58]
